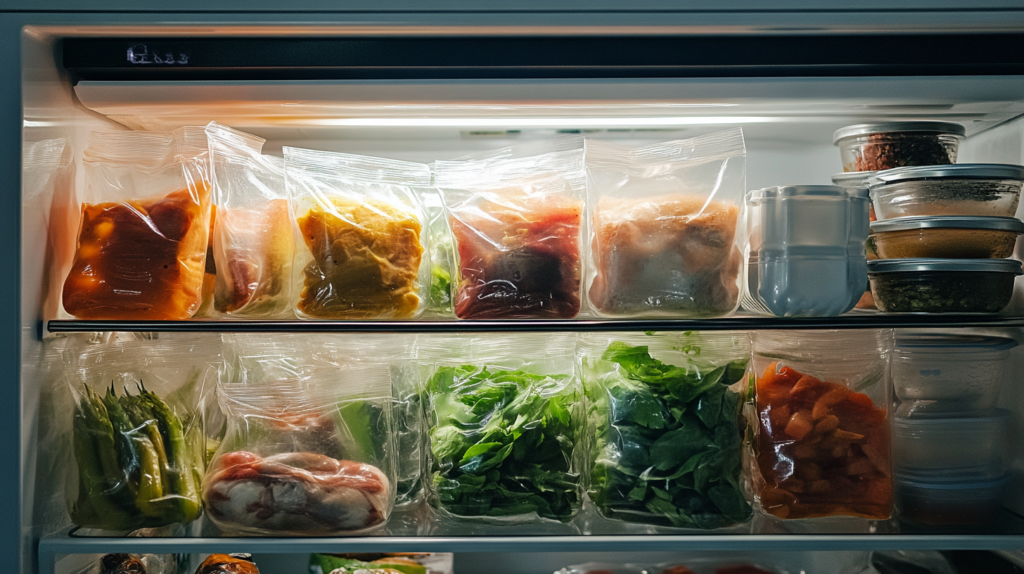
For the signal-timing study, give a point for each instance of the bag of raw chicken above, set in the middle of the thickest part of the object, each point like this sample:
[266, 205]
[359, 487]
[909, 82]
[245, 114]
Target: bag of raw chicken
[252, 232]
[142, 237]
[363, 245]
[308, 450]
[663, 225]
[517, 223]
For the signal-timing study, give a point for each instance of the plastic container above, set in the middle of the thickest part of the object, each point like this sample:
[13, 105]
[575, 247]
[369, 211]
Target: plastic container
[973, 444]
[872, 147]
[987, 189]
[942, 285]
[811, 260]
[949, 237]
[939, 373]
[822, 445]
[949, 503]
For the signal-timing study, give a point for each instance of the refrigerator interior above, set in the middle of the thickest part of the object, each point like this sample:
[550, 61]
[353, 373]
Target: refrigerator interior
[787, 122]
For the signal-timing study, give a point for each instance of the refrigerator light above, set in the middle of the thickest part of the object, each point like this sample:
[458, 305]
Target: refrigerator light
[552, 122]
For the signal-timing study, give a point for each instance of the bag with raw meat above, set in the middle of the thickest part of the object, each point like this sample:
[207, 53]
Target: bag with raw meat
[363, 243]
[311, 454]
[517, 222]
[142, 239]
[663, 226]
[252, 234]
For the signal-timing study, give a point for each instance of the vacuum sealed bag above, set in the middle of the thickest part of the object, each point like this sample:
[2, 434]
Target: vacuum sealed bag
[142, 239]
[663, 226]
[361, 223]
[666, 429]
[137, 430]
[252, 236]
[505, 417]
[310, 454]
[517, 228]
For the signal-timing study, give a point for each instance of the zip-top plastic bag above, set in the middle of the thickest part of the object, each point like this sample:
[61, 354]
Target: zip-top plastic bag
[663, 224]
[308, 449]
[145, 216]
[442, 255]
[48, 203]
[137, 429]
[505, 416]
[253, 240]
[517, 224]
[666, 430]
[362, 253]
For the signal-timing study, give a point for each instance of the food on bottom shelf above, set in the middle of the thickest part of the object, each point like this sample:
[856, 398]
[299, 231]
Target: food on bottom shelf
[519, 257]
[667, 440]
[673, 254]
[943, 285]
[228, 564]
[696, 566]
[872, 147]
[142, 237]
[502, 443]
[255, 250]
[366, 260]
[139, 259]
[135, 467]
[970, 189]
[949, 237]
[296, 491]
[352, 563]
[121, 564]
[822, 449]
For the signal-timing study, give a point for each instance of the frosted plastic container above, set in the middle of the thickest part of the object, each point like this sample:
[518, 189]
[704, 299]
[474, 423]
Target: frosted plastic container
[951, 444]
[942, 285]
[946, 236]
[872, 147]
[940, 503]
[939, 373]
[810, 256]
[987, 189]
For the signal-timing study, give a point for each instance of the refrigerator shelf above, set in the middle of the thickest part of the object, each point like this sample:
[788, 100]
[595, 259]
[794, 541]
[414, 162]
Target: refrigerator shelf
[741, 322]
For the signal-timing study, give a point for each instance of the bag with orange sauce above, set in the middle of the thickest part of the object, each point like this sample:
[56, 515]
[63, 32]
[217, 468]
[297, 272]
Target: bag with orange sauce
[144, 225]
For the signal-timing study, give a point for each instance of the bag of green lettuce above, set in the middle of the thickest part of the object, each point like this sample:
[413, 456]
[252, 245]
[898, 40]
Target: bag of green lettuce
[665, 428]
[505, 418]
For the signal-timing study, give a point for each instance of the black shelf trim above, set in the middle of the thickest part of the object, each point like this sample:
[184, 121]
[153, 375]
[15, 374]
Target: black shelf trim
[741, 323]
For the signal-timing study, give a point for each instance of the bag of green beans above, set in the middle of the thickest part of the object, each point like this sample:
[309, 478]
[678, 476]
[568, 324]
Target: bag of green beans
[137, 429]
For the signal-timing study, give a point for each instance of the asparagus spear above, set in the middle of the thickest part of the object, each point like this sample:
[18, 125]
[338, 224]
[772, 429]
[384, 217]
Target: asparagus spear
[127, 457]
[142, 418]
[93, 443]
[182, 482]
[146, 469]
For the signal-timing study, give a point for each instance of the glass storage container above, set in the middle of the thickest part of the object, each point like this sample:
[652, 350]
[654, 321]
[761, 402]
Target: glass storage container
[872, 147]
[967, 189]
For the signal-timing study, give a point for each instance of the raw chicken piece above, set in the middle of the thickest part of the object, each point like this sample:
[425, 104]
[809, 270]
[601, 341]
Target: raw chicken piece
[302, 493]
[672, 255]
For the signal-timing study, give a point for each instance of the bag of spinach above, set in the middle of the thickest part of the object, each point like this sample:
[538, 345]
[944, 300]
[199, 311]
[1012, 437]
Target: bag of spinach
[505, 416]
[666, 433]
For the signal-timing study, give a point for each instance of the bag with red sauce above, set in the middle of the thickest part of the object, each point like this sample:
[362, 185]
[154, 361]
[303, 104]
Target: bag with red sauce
[823, 441]
[308, 450]
[517, 221]
[142, 238]
[252, 236]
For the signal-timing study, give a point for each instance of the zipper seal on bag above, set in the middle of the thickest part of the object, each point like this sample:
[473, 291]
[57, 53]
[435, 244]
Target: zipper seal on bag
[360, 168]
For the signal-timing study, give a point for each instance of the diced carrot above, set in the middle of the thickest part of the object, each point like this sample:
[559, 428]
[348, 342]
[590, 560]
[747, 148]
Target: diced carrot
[769, 375]
[825, 402]
[799, 425]
[829, 423]
[779, 416]
[848, 436]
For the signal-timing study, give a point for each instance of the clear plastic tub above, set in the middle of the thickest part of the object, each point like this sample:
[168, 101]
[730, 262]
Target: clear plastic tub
[939, 373]
[948, 237]
[942, 285]
[951, 444]
[986, 189]
[873, 147]
[957, 503]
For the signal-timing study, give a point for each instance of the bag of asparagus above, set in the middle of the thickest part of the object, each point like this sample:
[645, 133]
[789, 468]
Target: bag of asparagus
[137, 429]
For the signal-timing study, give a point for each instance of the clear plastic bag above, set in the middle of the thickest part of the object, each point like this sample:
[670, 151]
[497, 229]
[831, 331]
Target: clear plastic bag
[137, 430]
[442, 256]
[361, 224]
[823, 441]
[505, 417]
[663, 224]
[142, 241]
[134, 564]
[253, 239]
[308, 450]
[667, 435]
[517, 224]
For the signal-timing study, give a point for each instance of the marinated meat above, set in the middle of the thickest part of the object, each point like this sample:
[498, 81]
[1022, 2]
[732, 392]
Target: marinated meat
[301, 493]
[228, 564]
[121, 564]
